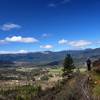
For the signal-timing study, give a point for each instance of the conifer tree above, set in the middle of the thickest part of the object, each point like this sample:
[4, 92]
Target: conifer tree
[68, 64]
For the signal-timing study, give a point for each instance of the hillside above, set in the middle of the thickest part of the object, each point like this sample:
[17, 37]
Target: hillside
[48, 57]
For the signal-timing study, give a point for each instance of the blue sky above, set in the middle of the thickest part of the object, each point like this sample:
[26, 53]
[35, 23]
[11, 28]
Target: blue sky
[40, 25]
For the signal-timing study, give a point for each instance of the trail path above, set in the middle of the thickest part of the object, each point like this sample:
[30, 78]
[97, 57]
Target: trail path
[83, 83]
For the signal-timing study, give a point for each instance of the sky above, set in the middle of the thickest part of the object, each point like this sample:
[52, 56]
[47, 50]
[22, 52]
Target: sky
[55, 25]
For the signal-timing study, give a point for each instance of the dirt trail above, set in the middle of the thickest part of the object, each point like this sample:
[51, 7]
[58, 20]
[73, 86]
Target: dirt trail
[83, 83]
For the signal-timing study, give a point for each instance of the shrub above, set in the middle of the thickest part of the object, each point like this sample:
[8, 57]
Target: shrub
[45, 77]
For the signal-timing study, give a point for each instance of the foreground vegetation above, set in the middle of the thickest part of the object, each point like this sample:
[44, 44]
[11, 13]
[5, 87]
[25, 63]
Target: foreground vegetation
[95, 83]
[59, 83]
[20, 93]
[66, 88]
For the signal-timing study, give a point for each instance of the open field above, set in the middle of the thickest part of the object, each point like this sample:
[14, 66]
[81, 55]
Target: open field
[23, 76]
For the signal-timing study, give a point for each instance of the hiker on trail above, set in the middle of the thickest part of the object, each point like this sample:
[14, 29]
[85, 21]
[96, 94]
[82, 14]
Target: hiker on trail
[89, 64]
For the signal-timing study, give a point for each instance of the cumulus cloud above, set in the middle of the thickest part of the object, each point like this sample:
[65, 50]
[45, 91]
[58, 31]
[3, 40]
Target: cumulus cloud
[9, 26]
[20, 39]
[62, 41]
[46, 46]
[80, 43]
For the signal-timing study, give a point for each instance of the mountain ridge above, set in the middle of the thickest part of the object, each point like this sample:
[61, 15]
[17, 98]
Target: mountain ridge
[46, 57]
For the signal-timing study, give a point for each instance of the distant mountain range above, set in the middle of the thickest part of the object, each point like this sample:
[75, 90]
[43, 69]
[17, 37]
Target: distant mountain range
[51, 58]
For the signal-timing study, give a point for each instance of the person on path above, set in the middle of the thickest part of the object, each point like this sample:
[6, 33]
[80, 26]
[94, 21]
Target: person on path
[89, 64]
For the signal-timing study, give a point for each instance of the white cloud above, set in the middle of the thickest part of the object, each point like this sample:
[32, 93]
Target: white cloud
[21, 39]
[13, 52]
[76, 44]
[46, 46]
[80, 43]
[9, 26]
[63, 41]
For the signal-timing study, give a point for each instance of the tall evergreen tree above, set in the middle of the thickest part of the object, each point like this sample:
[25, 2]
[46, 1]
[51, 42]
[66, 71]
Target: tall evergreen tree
[68, 64]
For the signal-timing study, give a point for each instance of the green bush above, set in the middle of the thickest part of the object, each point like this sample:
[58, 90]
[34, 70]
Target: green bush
[45, 77]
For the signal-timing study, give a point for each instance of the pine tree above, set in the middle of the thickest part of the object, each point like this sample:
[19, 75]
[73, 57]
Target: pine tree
[68, 64]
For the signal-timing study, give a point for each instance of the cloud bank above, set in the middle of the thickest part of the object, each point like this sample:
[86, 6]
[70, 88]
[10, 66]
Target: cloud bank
[46, 46]
[9, 26]
[13, 52]
[76, 44]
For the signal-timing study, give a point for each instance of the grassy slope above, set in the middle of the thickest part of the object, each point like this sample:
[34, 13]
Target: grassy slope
[96, 83]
